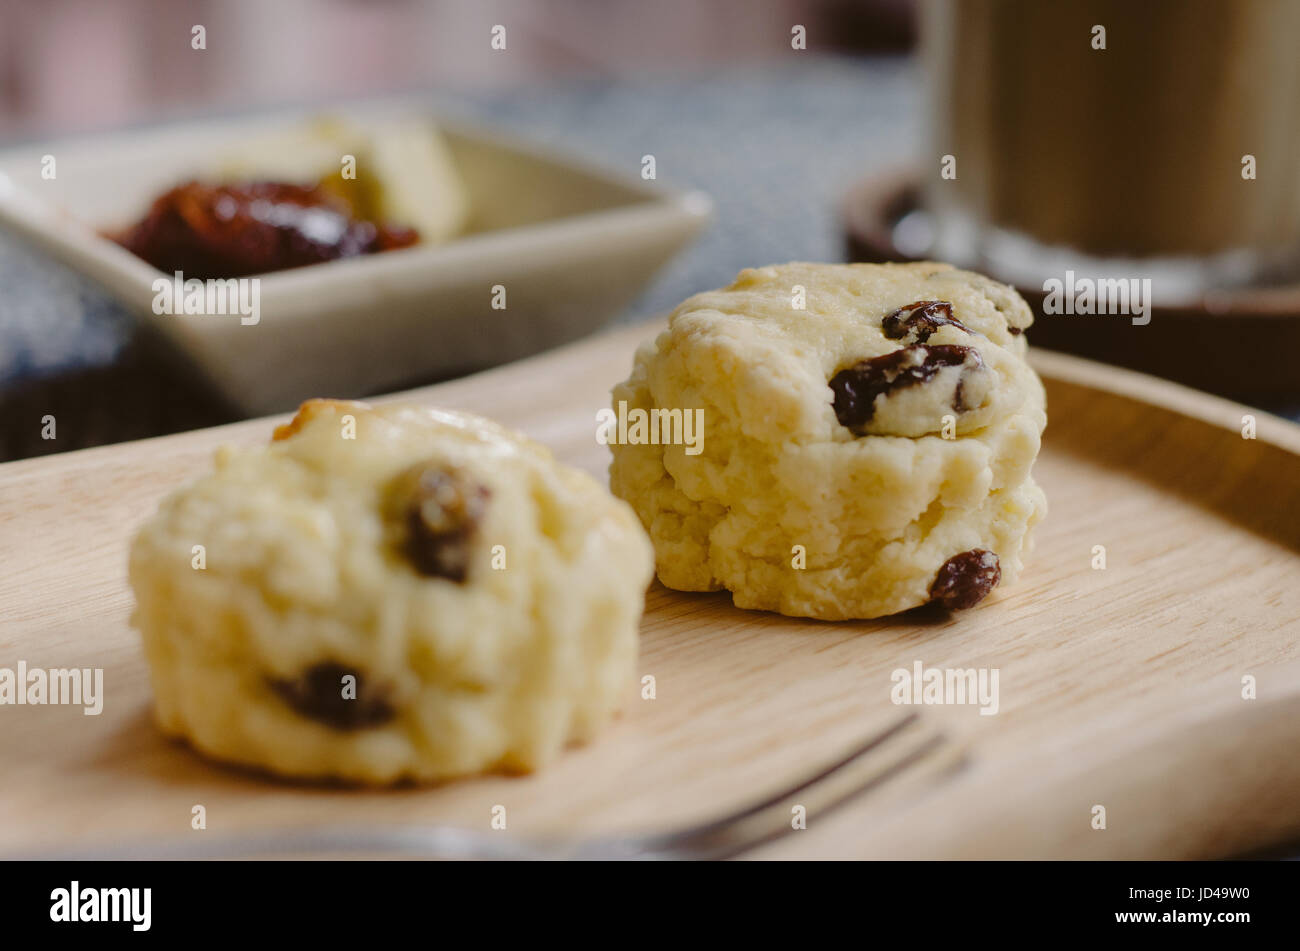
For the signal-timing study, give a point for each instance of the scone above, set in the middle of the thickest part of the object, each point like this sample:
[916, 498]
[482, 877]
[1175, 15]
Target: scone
[389, 593]
[867, 433]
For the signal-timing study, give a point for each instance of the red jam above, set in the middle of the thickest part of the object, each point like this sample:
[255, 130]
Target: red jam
[216, 231]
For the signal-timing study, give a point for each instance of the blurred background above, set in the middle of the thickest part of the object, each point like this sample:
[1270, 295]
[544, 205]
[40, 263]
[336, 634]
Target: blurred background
[826, 150]
[76, 64]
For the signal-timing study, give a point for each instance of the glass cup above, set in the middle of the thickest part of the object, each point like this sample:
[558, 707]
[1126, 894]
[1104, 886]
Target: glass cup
[1157, 136]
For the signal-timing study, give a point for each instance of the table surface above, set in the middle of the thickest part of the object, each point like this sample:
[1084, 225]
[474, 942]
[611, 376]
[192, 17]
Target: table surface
[775, 146]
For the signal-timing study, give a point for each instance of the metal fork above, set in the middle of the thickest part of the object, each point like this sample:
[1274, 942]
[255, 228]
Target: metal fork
[724, 837]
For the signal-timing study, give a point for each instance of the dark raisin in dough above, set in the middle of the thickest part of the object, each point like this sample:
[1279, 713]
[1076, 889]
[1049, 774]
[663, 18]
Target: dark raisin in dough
[441, 520]
[965, 579]
[857, 387]
[916, 321]
[317, 694]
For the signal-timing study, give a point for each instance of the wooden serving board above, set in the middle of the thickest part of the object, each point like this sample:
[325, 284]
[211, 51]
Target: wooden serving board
[1119, 687]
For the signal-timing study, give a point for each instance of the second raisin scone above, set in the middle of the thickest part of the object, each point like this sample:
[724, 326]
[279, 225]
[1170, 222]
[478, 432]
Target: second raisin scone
[389, 592]
[867, 438]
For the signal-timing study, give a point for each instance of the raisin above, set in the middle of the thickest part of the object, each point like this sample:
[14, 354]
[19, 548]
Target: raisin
[965, 579]
[916, 321]
[1015, 331]
[318, 694]
[959, 393]
[857, 387]
[442, 517]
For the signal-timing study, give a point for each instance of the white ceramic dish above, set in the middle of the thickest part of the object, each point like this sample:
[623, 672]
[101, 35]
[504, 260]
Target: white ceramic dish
[570, 244]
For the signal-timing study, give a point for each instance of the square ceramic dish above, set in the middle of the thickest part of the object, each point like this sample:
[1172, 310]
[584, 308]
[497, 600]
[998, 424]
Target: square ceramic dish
[570, 244]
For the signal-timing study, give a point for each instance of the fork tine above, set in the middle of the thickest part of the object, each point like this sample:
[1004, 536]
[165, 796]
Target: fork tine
[710, 827]
[732, 848]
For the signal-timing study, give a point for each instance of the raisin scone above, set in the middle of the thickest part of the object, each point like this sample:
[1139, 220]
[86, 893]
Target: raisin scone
[389, 593]
[867, 438]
